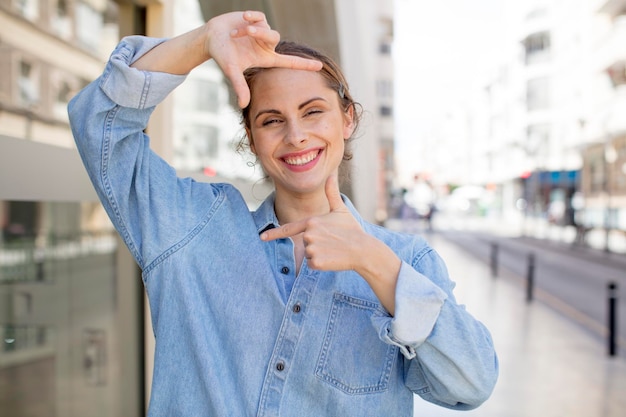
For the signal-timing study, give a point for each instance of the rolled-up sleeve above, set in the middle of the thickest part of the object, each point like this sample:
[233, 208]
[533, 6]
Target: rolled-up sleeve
[449, 355]
[130, 87]
[418, 303]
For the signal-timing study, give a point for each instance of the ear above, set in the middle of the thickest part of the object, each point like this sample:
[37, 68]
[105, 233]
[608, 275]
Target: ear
[250, 141]
[348, 126]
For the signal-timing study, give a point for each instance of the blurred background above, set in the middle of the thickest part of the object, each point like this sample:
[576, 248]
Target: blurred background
[495, 129]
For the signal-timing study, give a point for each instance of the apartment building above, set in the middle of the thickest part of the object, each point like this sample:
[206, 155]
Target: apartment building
[604, 154]
[543, 129]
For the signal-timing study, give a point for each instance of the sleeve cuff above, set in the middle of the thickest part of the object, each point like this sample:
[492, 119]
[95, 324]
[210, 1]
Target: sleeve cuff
[130, 87]
[418, 303]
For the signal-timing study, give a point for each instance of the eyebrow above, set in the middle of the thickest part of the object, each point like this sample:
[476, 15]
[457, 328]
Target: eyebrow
[300, 107]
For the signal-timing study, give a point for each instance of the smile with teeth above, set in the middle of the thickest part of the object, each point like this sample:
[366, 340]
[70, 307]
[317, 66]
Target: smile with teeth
[301, 159]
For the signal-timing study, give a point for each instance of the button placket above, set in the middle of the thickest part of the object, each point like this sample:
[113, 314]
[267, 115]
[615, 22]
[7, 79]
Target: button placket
[286, 345]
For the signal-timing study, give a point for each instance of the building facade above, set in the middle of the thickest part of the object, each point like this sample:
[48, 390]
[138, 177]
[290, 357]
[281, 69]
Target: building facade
[543, 129]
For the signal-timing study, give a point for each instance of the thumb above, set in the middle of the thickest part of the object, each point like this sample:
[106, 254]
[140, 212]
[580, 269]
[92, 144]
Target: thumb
[238, 82]
[333, 194]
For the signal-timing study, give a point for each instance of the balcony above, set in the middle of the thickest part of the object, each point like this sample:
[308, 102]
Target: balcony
[611, 7]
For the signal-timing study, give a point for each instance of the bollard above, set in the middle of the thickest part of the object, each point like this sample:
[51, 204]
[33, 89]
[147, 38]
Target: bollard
[530, 277]
[494, 259]
[612, 318]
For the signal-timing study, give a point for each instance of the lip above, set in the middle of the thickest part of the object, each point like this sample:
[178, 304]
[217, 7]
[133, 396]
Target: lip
[302, 161]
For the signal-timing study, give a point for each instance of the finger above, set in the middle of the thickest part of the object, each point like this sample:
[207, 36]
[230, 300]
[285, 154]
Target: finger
[333, 194]
[296, 62]
[254, 16]
[256, 28]
[286, 230]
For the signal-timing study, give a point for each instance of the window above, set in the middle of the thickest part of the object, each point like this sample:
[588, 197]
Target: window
[27, 8]
[60, 313]
[62, 93]
[538, 94]
[597, 169]
[206, 95]
[537, 47]
[384, 88]
[28, 84]
[199, 148]
[60, 19]
[618, 170]
[386, 111]
[88, 26]
[537, 139]
[384, 48]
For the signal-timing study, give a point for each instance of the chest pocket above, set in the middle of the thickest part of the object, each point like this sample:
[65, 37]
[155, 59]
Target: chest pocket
[353, 359]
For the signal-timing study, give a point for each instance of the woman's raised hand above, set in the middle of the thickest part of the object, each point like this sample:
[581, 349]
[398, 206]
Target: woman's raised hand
[241, 40]
[236, 41]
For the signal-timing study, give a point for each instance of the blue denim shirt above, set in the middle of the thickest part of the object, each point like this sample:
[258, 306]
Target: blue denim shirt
[237, 332]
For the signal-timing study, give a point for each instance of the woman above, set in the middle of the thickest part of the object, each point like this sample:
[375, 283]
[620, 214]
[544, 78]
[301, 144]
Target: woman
[300, 308]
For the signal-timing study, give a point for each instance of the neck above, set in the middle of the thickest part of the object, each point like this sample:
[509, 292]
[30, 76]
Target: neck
[294, 208]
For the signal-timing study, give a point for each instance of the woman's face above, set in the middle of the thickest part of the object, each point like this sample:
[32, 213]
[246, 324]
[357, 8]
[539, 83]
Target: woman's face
[297, 129]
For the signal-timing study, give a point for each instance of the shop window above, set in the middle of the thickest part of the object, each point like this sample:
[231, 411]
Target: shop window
[61, 319]
[619, 167]
[596, 172]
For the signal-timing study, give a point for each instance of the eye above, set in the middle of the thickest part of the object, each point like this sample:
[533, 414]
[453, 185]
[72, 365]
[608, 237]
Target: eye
[311, 112]
[270, 121]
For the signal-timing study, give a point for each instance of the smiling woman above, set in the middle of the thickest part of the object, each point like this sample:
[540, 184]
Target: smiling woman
[331, 77]
[297, 303]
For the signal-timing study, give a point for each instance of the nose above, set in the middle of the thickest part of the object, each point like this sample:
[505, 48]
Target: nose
[295, 133]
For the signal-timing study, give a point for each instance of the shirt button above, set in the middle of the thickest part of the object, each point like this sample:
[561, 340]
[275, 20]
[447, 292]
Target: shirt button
[284, 270]
[280, 366]
[296, 308]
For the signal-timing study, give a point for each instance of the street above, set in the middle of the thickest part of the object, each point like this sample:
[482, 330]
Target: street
[570, 279]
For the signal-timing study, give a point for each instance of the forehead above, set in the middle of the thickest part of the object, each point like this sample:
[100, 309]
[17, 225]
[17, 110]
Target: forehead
[281, 83]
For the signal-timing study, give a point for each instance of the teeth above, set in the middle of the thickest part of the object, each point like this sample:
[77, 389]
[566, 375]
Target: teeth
[301, 160]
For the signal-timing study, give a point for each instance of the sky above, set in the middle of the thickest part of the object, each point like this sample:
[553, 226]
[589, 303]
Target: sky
[439, 47]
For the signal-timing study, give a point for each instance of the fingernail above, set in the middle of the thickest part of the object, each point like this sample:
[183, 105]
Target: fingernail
[234, 32]
[263, 236]
[252, 29]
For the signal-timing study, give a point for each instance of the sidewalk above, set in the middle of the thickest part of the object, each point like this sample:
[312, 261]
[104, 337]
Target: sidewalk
[549, 367]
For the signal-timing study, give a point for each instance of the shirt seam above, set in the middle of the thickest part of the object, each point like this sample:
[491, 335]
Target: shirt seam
[221, 196]
[106, 182]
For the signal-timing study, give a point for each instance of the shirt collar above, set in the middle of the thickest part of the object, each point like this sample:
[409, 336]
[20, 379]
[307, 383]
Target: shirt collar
[265, 216]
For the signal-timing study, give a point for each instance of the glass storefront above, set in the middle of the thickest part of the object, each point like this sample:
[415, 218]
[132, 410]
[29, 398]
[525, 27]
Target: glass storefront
[70, 314]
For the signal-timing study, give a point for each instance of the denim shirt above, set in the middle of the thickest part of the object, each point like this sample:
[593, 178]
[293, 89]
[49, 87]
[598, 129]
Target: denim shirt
[237, 332]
